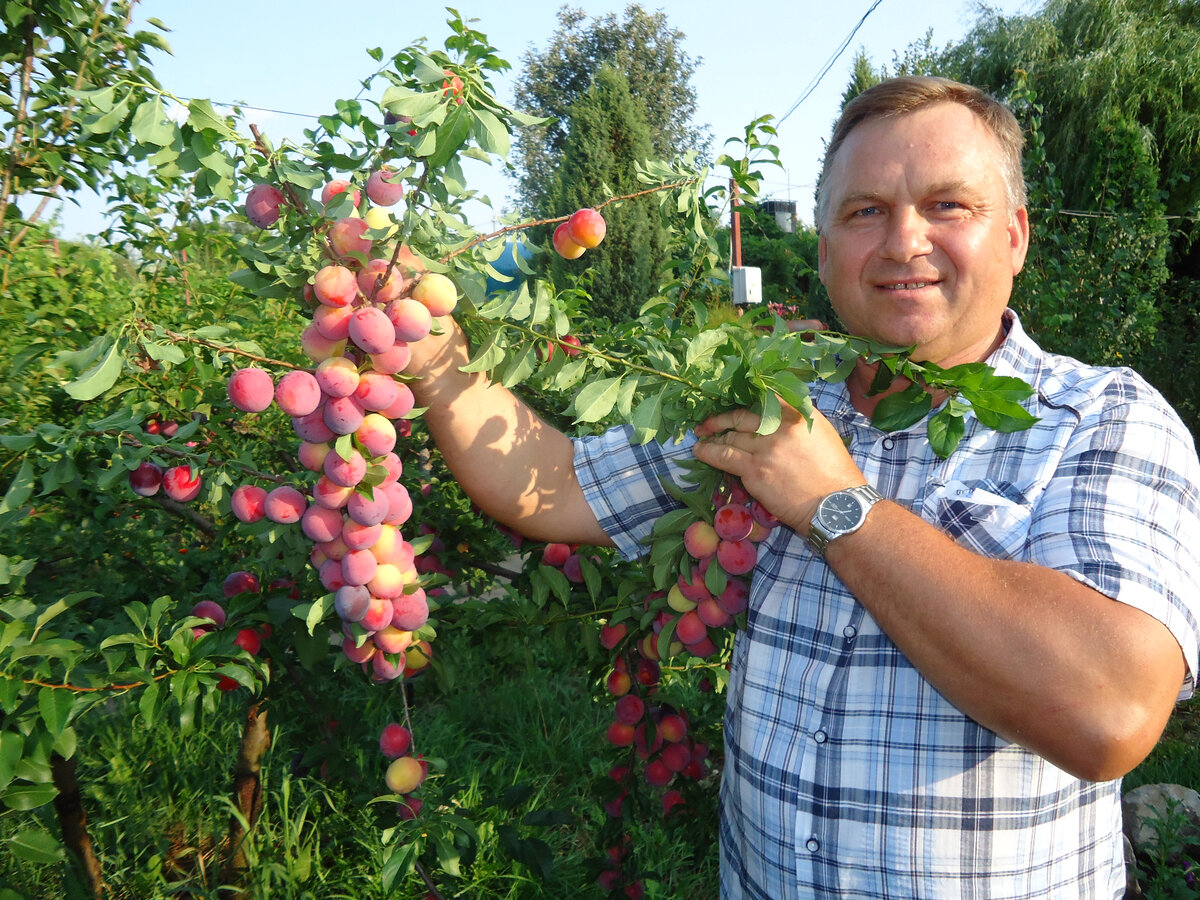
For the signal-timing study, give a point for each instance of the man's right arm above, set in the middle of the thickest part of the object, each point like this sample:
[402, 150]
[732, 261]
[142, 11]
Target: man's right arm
[517, 468]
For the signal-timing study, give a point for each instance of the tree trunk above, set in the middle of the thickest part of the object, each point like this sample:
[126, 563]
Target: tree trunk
[72, 820]
[247, 791]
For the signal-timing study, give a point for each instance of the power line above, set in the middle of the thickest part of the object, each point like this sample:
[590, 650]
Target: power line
[812, 85]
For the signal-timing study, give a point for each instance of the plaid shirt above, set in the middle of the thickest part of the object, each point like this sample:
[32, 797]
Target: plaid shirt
[847, 774]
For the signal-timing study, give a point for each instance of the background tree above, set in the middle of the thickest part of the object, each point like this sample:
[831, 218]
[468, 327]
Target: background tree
[47, 51]
[607, 137]
[644, 47]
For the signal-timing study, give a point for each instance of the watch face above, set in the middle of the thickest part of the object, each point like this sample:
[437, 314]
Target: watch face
[840, 512]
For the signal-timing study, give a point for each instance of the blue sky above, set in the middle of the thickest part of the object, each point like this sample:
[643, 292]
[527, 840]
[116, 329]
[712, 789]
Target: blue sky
[757, 57]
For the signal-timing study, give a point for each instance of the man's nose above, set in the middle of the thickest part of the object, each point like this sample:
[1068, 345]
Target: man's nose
[907, 235]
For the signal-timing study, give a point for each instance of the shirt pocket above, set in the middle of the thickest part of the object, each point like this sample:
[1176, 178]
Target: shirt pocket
[990, 517]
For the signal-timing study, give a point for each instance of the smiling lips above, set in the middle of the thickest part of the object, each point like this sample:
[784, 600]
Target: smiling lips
[906, 285]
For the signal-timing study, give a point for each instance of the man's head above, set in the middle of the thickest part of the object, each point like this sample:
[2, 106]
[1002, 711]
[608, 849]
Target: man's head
[923, 224]
[899, 96]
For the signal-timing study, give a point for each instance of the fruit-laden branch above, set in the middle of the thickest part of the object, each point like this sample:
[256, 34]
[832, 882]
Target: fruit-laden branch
[184, 454]
[80, 689]
[176, 338]
[510, 229]
[185, 512]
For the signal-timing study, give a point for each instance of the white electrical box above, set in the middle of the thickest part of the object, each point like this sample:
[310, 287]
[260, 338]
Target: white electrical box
[747, 284]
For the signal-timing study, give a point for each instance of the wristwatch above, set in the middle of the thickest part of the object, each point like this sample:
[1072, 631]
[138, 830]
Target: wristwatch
[839, 513]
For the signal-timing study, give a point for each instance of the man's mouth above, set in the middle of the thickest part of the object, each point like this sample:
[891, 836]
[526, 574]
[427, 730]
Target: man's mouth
[906, 285]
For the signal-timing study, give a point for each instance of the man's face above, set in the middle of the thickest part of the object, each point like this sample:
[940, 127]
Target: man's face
[920, 247]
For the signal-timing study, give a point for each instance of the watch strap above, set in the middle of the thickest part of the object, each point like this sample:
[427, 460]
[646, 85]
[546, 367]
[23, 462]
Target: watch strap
[819, 538]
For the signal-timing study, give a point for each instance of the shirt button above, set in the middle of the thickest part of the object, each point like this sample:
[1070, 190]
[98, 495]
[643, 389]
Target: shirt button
[820, 737]
[812, 845]
[849, 632]
[888, 443]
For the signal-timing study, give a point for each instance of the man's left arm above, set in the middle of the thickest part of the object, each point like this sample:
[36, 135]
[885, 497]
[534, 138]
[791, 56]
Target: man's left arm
[1030, 652]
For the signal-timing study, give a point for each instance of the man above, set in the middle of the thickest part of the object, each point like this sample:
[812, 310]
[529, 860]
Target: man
[945, 675]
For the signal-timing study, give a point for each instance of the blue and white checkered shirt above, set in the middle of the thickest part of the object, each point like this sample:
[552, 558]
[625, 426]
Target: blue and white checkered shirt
[846, 773]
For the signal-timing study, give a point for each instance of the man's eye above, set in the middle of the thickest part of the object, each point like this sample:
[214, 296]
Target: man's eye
[866, 211]
[948, 205]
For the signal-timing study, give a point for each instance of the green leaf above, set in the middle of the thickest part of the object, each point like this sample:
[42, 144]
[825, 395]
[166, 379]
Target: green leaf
[704, 345]
[54, 706]
[596, 400]
[491, 135]
[318, 611]
[150, 124]
[400, 863]
[148, 702]
[61, 606]
[109, 121]
[100, 377]
[490, 355]
[402, 101]
[771, 416]
[11, 745]
[945, 432]
[898, 411]
[20, 489]
[164, 352]
[203, 117]
[450, 137]
[647, 418]
[25, 797]
[36, 846]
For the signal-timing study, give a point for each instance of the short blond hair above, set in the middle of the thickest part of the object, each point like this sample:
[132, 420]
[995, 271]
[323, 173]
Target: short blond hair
[906, 94]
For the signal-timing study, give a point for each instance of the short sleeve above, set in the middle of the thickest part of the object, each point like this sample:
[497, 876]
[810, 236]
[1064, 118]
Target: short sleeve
[621, 483]
[1122, 512]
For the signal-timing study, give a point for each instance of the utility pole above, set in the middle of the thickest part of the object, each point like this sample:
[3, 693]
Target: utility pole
[735, 227]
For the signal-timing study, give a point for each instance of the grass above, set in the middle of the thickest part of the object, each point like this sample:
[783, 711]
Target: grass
[513, 727]
[515, 736]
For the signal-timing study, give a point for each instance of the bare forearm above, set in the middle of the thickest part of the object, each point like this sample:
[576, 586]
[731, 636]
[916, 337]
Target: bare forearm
[516, 467]
[1045, 661]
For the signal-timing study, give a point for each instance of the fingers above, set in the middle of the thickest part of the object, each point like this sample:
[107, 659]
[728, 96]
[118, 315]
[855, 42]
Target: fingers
[721, 455]
[806, 325]
[734, 420]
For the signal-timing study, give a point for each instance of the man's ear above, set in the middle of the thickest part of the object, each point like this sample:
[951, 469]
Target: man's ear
[1018, 238]
[822, 256]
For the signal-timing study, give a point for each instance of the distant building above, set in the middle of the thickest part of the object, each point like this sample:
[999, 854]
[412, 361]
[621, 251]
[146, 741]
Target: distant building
[784, 212]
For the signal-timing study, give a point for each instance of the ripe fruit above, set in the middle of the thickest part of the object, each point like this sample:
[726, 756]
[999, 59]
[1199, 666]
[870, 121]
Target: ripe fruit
[565, 245]
[146, 479]
[384, 187]
[395, 740]
[404, 775]
[586, 228]
[437, 293]
[346, 236]
[335, 286]
[263, 204]
[240, 583]
[251, 389]
[181, 483]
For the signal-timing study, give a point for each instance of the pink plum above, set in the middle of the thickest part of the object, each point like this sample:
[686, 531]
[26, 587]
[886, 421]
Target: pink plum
[251, 389]
[384, 187]
[263, 205]
[146, 479]
[335, 285]
[181, 483]
[285, 505]
[372, 330]
[248, 502]
[298, 393]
